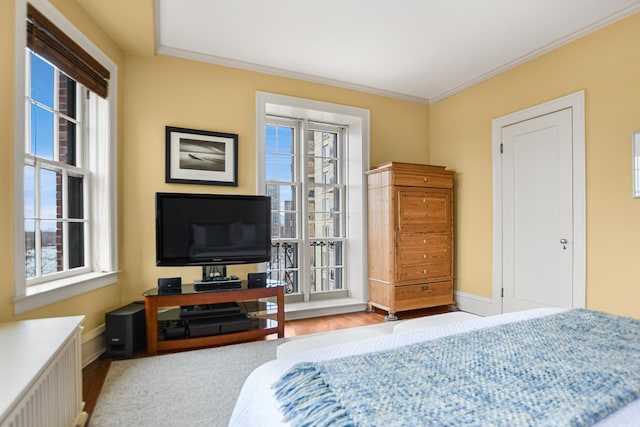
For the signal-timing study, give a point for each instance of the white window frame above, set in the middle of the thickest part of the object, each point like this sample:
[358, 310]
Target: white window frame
[635, 167]
[297, 184]
[300, 181]
[64, 169]
[357, 162]
[342, 134]
[103, 202]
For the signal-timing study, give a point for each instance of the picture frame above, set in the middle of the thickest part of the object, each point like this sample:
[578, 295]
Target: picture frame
[201, 157]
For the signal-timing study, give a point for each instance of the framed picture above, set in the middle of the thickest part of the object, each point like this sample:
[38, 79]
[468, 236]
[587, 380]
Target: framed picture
[201, 157]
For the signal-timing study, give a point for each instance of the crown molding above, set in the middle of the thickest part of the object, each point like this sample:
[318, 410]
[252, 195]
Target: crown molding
[248, 66]
[537, 52]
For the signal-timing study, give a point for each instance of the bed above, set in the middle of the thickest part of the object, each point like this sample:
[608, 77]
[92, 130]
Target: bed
[264, 393]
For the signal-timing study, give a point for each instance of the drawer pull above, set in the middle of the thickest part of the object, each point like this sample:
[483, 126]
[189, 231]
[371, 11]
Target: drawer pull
[424, 256]
[425, 288]
[425, 271]
[426, 179]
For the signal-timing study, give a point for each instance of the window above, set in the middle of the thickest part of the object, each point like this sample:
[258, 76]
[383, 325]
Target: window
[311, 162]
[312, 168]
[283, 186]
[65, 196]
[326, 191]
[55, 174]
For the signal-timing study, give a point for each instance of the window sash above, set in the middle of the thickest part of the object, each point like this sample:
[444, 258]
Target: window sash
[306, 246]
[65, 224]
[64, 219]
[327, 272]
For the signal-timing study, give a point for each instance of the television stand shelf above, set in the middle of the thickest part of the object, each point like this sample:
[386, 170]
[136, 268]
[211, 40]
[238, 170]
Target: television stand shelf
[188, 297]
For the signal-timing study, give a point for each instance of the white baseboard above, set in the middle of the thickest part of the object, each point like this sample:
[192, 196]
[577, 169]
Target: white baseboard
[477, 305]
[93, 344]
[302, 310]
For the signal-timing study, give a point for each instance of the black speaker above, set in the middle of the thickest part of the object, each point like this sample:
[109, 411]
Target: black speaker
[167, 285]
[257, 280]
[126, 331]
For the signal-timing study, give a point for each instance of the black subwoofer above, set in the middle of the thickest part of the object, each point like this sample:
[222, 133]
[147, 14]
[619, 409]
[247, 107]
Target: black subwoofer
[126, 331]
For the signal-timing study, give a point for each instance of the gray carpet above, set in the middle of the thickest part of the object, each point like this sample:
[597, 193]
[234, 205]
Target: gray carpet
[194, 388]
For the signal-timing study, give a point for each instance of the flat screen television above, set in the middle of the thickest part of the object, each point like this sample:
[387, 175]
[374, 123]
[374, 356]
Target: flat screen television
[212, 229]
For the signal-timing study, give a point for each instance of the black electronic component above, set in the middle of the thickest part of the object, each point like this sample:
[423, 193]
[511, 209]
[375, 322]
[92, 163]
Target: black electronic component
[125, 330]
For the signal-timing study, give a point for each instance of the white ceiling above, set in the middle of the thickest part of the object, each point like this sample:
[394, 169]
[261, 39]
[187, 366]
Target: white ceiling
[419, 50]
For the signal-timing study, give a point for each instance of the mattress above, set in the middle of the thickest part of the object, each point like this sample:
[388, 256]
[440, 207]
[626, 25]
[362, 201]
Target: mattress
[257, 405]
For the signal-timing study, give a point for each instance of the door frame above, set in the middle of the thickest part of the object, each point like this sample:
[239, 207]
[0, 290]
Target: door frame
[574, 101]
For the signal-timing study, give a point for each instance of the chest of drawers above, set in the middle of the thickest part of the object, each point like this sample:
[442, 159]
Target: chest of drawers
[410, 223]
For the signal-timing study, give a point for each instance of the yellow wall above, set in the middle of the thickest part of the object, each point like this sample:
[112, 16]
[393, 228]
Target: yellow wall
[160, 91]
[163, 91]
[156, 91]
[92, 305]
[606, 65]
[6, 155]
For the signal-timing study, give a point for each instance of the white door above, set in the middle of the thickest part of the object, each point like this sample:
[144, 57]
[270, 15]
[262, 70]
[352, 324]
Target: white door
[537, 234]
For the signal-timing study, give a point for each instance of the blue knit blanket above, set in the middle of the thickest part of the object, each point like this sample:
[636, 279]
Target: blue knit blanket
[567, 369]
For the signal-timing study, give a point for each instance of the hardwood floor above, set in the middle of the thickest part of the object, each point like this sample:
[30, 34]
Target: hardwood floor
[94, 374]
[351, 320]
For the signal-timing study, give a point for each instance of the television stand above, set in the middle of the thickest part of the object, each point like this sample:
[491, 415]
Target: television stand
[265, 321]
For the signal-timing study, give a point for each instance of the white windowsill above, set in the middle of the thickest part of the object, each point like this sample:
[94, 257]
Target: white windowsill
[51, 292]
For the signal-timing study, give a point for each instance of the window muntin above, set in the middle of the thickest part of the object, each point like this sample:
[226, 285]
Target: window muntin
[315, 170]
[55, 213]
[284, 188]
[326, 192]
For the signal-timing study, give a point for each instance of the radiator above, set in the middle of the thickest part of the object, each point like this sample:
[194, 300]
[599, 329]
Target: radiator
[53, 397]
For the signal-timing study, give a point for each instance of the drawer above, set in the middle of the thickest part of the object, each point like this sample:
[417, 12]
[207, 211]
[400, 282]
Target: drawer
[423, 180]
[422, 240]
[412, 255]
[423, 271]
[425, 211]
[410, 297]
[423, 249]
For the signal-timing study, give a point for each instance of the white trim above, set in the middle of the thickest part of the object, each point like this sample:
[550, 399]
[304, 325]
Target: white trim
[537, 52]
[93, 344]
[575, 102]
[475, 304]
[357, 119]
[320, 308]
[40, 295]
[19, 134]
[635, 165]
[33, 297]
[249, 66]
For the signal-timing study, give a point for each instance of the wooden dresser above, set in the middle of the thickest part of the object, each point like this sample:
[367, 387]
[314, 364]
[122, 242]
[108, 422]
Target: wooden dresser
[410, 222]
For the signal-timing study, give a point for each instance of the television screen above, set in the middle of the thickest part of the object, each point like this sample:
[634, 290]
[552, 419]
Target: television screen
[212, 229]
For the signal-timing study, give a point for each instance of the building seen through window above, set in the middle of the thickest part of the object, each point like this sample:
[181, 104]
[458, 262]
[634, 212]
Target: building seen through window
[306, 184]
